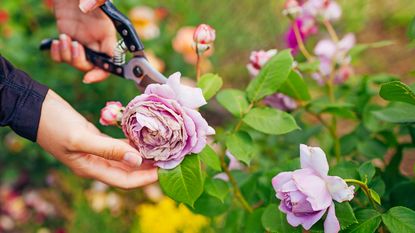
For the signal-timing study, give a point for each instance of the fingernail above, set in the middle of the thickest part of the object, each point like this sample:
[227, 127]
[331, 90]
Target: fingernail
[87, 5]
[133, 159]
[75, 49]
[86, 81]
[64, 40]
[55, 44]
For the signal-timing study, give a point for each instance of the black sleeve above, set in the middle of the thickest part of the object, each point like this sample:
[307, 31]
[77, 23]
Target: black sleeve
[21, 100]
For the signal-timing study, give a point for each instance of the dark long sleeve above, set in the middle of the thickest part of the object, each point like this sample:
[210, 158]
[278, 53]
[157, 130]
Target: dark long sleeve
[21, 100]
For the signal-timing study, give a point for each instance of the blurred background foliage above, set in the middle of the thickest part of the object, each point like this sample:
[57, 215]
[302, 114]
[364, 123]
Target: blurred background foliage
[241, 26]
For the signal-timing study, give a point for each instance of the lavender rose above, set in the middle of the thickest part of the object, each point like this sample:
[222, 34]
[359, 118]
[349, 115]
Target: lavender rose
[307, 193]
[163, 123]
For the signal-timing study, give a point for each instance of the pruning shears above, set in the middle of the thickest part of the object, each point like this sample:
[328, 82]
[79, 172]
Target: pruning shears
[138, 68]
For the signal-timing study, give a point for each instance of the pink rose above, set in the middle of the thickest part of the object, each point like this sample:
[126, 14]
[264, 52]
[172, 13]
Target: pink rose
[111, 113]
[204, 34]
[292, 8]
[281, 101]
[307, 193]
[258, 59]
[325, 9]
[163, 123]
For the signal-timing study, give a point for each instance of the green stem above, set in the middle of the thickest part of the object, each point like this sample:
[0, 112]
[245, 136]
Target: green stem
[240, 122]
[237, 192]
[198, 61]
[365, 189]
[300, 42]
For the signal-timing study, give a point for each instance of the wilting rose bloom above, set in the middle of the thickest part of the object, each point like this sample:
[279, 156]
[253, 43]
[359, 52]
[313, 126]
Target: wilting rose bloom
[307, 193]
[323, 9]
[258, 59]
[145, 21]
[183, 43]
[331, 54]
[111, 113]
[163, 123]
[281, 101]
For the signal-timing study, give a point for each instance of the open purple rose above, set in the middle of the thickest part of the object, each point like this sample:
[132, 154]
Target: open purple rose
[163, 123]
[307, 193]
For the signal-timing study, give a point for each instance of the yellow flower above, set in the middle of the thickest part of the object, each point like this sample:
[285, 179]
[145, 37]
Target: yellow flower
[167, 217]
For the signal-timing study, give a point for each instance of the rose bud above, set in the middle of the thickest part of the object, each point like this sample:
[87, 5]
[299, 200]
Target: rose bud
[111, 114]
[292, 9]
[203, 37]
[258, 59]
[163, 123]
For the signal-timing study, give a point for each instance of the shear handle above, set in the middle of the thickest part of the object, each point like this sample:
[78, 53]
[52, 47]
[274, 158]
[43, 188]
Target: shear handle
[101, 60]
[124, 27]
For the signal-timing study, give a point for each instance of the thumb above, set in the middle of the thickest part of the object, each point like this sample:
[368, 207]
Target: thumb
[89, 5]
[112, 149]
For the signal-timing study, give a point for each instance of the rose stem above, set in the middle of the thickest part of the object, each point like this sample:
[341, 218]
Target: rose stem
[235, 187]
[365, 189]
[300, 42]
[198, 61]
[331, 30]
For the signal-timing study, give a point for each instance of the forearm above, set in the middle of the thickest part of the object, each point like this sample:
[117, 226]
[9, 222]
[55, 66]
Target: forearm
[21, 100]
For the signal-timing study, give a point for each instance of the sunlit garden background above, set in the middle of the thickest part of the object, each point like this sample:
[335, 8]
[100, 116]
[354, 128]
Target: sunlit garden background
[38, 194]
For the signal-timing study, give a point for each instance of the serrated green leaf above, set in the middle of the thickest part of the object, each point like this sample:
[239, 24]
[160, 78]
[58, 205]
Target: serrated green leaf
[400, 220]
[295, 87]
[367, 171]
[271, 76]
[210, 158]
[210, 84]
[397, 91]
[273, 220]
[241, 146]
[368, 222]
[217, 188]
[183, 183]
[270, 121]
[345, 214]
[234, 101]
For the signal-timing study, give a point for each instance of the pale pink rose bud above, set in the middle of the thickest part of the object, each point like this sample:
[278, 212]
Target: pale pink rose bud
[258, 59]
[111, 114]
[204, 34]
[201, 48]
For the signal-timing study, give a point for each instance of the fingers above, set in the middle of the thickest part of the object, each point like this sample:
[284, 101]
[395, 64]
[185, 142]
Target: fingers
[103, 170]
[95, 75]
[89, 5]
[109, 148]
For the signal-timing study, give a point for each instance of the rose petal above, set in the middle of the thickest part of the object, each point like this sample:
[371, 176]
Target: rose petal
[187, 96]
[338, 189]
[306, 221]
[331, 224]
[170, 164]
[347, 42]
[163, 91]
[313, 187]
[325, 48]
[279, 180]
[314, 158]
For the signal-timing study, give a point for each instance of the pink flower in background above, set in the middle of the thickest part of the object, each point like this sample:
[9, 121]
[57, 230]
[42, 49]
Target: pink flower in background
[183, 43]
[332, 54]
[306, 26]
[281, 101]
[258, 59]
[322, 9]
[145, 21]
[163, 123]
[307, 194]
[111, 114]
[292, 8]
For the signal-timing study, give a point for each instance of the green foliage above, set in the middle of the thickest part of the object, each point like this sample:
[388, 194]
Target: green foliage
[270, 121]
[271, 76]
[273, 220]
[240, 144]
[345, 215]
[368, 222]
[402, 113]
[399, 220]
[209, 157]
[397, 91]
[210, 85]
[296, 87]
[234, 101]
[217, 188]
[185, 182]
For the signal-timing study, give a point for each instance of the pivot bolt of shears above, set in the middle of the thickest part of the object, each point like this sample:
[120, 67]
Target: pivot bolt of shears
[137, 72]
[124, 32]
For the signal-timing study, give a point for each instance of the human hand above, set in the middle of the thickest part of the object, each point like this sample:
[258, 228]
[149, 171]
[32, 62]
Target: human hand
[78, 144]
[94, 30]
[89, 5]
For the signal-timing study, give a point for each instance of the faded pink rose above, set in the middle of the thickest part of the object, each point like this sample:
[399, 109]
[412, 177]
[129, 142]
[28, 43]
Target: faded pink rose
[111, 113]
[164, 124]
[307, 193]
[281, 101]
[324, 9]
[258, 59]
